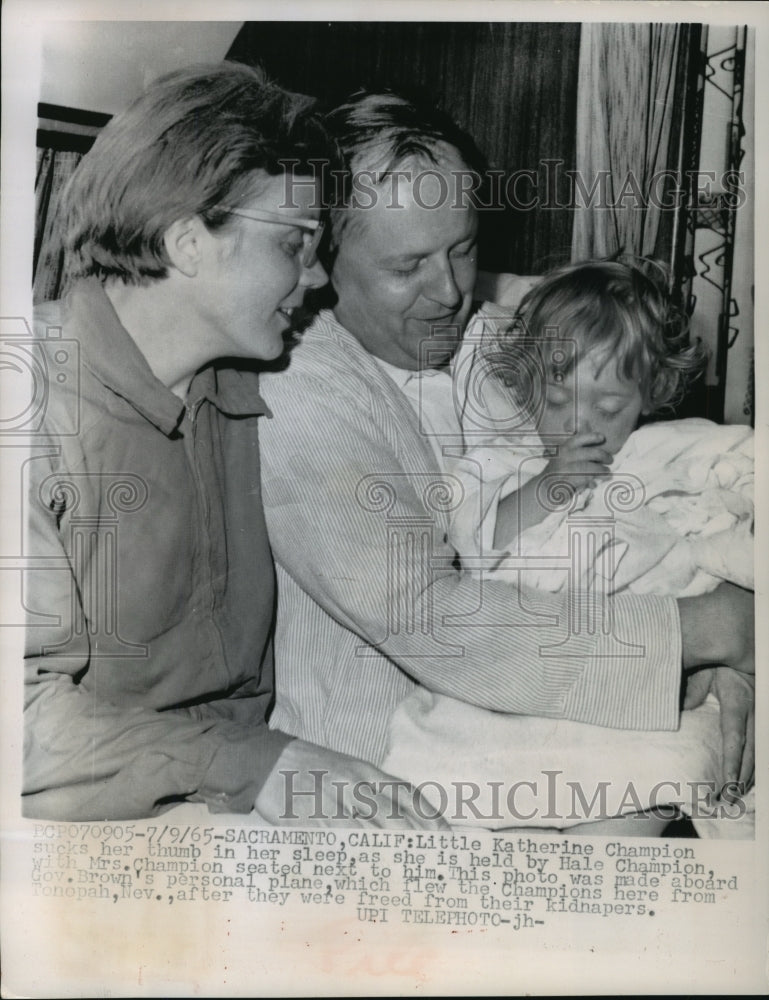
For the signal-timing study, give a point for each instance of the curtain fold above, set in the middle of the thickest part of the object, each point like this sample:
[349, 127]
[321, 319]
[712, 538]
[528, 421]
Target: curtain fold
[625, 108]
[54, 168]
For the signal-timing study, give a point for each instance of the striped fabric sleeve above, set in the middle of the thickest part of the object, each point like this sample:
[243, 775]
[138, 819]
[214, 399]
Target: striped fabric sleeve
[356, 520]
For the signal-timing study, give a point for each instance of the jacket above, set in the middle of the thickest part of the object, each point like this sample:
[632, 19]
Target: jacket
[370, 600]
[150, 592]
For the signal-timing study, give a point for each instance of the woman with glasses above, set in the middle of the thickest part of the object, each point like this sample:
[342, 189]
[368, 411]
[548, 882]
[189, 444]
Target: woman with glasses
[191, 230]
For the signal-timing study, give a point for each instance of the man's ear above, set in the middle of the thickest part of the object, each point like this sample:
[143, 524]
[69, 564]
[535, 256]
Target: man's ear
[184, 244]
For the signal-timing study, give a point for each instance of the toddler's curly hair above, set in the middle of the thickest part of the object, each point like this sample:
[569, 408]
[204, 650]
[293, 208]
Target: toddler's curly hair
[621, 308]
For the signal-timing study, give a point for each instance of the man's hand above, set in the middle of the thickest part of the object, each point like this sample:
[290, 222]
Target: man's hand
[718, 628]
[312, 786]
[736, 695]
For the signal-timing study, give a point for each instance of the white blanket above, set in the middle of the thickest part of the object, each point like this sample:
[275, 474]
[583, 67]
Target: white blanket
[675, 517]
[498, 771]
[684, 524]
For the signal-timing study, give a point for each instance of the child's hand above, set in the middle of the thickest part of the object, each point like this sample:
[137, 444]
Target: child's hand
[581, 460]
[578, 463]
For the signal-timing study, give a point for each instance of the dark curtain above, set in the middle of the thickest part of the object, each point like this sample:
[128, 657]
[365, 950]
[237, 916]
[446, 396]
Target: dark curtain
[513, 87]
[54, 168]
[64, 136]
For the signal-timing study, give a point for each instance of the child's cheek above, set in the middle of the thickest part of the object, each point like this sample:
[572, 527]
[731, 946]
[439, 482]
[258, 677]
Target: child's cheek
[620, 435]
[560, 422]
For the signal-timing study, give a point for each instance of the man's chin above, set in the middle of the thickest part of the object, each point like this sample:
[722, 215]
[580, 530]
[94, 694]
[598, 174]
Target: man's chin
[439, 343]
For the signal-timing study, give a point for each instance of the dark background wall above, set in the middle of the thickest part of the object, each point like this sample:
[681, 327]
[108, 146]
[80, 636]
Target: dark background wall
[513, 87]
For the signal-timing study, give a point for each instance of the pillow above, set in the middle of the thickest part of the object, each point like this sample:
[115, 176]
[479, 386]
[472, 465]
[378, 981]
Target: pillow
[503, 289]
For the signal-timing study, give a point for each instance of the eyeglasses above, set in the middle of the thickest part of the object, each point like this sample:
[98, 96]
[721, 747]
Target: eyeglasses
[311, 239]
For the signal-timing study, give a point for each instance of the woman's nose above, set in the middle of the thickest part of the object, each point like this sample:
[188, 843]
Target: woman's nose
[314, 276]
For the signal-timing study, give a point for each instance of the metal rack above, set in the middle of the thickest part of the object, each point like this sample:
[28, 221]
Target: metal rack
[714, 211]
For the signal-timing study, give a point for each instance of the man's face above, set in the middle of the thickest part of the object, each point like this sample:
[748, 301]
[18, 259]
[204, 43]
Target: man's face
[403, 269]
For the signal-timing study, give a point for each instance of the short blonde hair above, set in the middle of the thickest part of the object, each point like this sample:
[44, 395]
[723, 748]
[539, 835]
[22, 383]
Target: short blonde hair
[197, 139]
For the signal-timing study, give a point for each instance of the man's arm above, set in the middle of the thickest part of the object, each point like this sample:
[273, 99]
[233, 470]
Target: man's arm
[335, 532]
[719, 628]
[737, 697]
